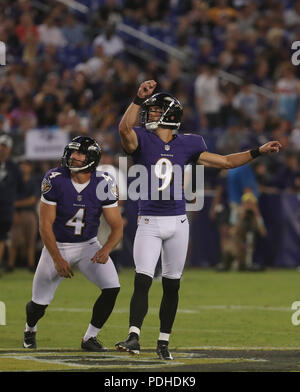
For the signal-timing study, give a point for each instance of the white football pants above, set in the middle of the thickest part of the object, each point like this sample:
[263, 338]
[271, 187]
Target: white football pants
[165, 235]
[46, 278]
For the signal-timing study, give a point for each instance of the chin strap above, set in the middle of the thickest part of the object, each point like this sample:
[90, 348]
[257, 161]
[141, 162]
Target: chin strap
[78, 169]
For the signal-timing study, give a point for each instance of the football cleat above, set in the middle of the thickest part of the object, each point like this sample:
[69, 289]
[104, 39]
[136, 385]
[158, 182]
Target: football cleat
[29, 339]
[163, 352]
[92, 345]
[130, 345]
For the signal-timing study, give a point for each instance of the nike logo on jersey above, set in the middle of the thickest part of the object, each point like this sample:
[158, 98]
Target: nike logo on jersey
[183, 220]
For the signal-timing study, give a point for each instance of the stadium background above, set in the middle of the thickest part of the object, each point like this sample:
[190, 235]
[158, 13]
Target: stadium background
[65, 76]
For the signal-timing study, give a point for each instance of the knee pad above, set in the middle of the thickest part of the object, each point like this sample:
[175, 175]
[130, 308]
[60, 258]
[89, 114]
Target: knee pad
[170, 286]
[142, 283]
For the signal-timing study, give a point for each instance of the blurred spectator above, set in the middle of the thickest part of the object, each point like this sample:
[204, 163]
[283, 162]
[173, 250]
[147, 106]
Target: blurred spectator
[46, 106]
[286, 174]
[245, 216]
[295, 138]
[292, 15]
[50, 33]
[108, 12]
[26, 28]
[240, 180]
[249, 227]
[173, 81]
[232, 138]
[23, 116]
[257, 135]
[96, 67]
[221, 9]
[111, 43]
[219, 214]
[247, 102]
[25, 225]
[73, 31]
[208, 96]
[10, 185]
[288, 91]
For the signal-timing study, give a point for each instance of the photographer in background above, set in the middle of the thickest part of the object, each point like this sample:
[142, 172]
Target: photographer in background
[10, 184]
[250, 226]
[242, 195]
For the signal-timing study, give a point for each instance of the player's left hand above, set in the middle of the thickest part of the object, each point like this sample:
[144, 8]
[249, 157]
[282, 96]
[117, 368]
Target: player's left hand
[101, 256]
[270, 147]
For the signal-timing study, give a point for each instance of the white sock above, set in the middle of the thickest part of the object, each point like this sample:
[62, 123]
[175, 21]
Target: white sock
[30, 329]
[135, 330]
[91, 332]
[164, 336]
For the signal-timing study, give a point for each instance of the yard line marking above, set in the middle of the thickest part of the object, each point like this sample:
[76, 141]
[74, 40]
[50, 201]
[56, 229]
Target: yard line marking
[188, 311]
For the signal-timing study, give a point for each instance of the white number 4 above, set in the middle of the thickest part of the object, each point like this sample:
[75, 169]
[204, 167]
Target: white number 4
[77, 221]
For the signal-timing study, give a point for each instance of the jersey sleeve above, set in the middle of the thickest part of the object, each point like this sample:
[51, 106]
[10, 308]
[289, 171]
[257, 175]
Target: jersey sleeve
[107, 190]
[198, 146]
[48, 189]
[139, 134]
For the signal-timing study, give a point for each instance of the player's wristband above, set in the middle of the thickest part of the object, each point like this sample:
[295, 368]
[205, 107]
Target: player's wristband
[138, 101]
[255, 153]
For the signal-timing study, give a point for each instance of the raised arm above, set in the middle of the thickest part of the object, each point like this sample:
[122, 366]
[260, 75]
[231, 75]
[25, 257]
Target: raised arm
[231, 161]
[128, 136]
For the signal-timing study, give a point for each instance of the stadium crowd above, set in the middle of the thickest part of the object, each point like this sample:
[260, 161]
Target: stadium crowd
[77, 71]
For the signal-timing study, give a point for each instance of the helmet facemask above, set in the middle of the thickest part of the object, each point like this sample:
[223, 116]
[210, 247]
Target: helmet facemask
[92, 154]
[171, 112]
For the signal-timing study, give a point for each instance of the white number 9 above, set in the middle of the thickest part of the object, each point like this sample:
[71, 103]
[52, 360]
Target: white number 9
[163, 169]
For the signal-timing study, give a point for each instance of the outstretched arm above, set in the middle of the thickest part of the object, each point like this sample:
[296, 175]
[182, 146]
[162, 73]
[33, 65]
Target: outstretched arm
[231, 161]
[128, 136]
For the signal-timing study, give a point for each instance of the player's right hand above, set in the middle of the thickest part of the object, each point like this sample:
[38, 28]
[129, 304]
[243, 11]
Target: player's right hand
[63, 268]
[146, 88]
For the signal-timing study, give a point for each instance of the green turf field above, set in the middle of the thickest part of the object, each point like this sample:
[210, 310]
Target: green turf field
[235, 310]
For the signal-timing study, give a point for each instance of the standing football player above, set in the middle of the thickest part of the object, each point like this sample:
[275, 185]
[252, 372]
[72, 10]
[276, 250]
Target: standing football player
[163, 226]
[73, 198]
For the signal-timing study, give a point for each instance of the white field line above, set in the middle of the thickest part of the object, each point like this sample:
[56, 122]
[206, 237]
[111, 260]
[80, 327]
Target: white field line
[187, 311]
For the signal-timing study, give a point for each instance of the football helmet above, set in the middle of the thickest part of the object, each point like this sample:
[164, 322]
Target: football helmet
[171, 112]
[85, 145]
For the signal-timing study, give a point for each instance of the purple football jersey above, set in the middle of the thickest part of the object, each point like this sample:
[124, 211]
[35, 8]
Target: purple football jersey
[77, 213]
[163, 160]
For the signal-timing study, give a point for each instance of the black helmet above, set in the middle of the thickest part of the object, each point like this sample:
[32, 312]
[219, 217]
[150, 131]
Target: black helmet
[172, 111]
[85, 145]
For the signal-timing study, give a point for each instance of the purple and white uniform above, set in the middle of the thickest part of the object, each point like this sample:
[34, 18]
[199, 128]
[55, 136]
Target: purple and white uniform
[163, 225]
[78, 211]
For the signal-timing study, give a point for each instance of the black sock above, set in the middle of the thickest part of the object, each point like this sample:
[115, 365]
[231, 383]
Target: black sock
[34, 312]
[104, 306]
[139, 300]
[169, 304]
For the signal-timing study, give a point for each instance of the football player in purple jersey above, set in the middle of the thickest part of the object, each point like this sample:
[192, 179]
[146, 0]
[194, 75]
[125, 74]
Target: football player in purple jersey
[73, 198]
[163, 227]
